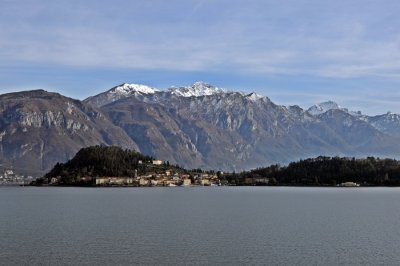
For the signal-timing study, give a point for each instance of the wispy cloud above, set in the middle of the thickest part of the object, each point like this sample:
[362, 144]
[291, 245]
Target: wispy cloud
[334, 40]
[256, 37]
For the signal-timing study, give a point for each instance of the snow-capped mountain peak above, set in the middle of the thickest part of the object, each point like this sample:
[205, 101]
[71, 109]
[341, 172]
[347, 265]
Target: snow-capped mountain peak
[254, 96]
[127, 89]
[197, 89]
[391, 117]
[323, 107]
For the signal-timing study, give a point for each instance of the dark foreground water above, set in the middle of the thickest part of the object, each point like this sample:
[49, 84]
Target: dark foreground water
[226, 225]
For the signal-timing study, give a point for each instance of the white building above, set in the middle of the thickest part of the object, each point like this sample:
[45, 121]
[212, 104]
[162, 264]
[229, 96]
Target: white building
[158, 162]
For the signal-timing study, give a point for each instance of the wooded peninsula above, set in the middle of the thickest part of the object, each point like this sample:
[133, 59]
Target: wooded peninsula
[114, 166]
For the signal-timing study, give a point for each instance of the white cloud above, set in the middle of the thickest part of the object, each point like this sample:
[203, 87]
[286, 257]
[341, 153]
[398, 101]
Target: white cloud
[247, 38]
[334, 40]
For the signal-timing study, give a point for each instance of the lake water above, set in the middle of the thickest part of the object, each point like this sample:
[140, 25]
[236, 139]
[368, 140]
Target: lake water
[197, 226]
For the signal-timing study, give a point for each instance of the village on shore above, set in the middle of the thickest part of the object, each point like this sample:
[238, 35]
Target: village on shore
[175, 177]
[113, 166]
[11, 178]
[157, 176]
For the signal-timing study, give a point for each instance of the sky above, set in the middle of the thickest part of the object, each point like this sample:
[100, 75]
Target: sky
[296, 52]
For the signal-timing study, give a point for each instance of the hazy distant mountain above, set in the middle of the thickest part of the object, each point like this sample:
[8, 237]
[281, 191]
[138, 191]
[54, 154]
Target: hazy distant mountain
[194, 126]
[321, 108]
[39, 128]
[388, 123]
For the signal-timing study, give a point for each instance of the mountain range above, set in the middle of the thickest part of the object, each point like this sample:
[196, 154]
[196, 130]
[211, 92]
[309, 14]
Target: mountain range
[198, 126]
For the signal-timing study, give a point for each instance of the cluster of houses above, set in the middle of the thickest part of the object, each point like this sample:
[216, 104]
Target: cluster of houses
[167, 178]
[9, 177]
[156, 174]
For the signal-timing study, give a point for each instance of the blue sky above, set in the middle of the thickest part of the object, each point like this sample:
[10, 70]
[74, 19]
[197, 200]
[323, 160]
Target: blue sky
[293, 51]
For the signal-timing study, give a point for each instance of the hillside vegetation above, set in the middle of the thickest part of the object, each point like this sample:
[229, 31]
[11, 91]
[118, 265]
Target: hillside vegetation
[98, 161]
[333, 170]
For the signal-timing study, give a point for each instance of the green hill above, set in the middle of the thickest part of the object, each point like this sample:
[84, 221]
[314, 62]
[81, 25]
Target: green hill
[99, 161]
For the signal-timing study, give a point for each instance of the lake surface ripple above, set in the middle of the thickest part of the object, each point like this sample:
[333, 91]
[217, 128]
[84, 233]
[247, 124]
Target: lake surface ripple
[199, 226]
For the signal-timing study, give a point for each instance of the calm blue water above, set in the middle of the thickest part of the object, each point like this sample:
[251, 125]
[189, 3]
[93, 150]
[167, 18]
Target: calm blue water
[185, 226]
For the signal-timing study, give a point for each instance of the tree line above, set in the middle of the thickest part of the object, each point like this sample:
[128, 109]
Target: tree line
[325, 170]
[99, 161]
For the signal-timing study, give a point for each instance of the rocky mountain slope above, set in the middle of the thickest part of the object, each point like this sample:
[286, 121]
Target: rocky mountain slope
[207, 127]
[198, 126]
[39, 128]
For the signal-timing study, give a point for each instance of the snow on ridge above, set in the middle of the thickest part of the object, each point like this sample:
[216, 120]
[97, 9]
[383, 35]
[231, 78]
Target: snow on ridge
[330, 105]
[321, 108]
[196, 90]
[254, 96]
[391, 117]
[126, 89]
